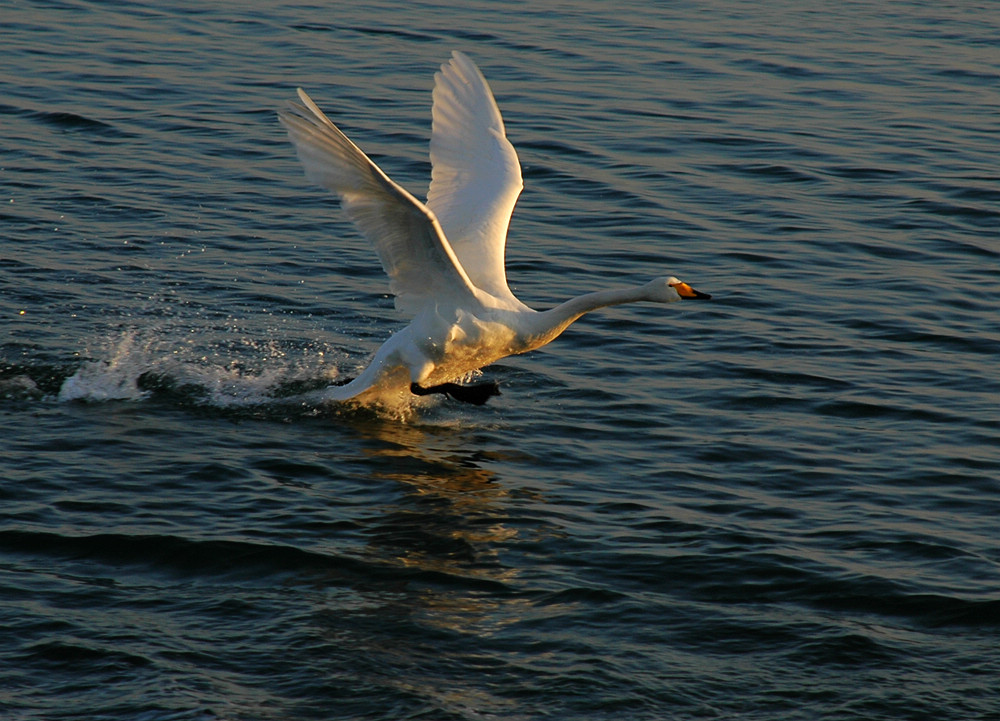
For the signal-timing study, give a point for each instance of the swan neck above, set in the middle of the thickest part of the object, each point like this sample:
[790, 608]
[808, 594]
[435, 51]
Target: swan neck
[576, 307]
[554, 321]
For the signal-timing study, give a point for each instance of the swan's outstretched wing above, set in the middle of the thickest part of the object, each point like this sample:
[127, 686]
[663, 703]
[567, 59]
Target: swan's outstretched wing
[476, 176]
[421, 265]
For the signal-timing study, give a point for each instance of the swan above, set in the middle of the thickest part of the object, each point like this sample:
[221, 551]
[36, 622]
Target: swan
[445, 257]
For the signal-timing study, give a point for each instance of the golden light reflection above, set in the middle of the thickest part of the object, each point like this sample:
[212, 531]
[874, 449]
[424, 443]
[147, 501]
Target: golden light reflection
[446, 531]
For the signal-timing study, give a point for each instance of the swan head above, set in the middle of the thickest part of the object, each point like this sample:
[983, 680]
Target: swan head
[668, 290]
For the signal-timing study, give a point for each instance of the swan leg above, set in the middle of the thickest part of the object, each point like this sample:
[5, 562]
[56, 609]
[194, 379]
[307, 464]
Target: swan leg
[477, 394]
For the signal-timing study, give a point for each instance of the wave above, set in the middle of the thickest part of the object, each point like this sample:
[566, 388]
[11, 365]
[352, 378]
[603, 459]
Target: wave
[234, 560]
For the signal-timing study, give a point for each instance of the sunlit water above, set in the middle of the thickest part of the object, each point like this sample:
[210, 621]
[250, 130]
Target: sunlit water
[780, 504]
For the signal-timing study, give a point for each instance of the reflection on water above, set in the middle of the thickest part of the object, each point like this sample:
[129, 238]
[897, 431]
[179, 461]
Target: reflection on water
[450, 518]
[420, 626]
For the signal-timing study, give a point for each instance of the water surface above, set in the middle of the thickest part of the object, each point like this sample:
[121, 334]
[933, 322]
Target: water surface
[779, 504]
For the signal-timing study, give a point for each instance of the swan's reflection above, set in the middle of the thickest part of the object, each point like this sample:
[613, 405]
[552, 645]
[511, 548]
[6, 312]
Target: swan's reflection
[439, 592]
[450, 518]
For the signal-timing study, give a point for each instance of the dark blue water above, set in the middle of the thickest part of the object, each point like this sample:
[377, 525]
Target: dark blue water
[781, 504]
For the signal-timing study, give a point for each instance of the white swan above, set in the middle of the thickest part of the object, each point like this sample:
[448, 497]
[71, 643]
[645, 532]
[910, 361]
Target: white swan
[445, 259]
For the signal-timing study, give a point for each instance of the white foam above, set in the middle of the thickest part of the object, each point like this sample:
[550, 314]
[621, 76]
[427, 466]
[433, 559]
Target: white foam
[114, 379]
[222, 378]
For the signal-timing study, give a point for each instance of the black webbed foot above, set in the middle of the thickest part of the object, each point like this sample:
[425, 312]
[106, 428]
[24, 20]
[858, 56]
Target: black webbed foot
[477, 394]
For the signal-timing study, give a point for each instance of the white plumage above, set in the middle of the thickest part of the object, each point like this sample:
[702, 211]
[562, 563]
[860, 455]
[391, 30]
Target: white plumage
[445, 259]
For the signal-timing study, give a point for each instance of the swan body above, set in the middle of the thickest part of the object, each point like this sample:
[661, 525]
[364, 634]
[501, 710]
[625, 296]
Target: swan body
[445, 258]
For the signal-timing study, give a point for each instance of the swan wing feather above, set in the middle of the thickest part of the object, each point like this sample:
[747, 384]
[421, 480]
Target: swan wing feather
[475, 176]
[421, 264]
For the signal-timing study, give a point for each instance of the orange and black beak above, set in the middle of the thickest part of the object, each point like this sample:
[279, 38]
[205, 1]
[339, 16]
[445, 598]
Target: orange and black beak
[686, 291]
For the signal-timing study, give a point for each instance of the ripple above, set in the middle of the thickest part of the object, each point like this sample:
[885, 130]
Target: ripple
[677, 508]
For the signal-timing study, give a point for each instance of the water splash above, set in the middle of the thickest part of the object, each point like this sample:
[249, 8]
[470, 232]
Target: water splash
[114, 379]
[141, 364]
[161, 364]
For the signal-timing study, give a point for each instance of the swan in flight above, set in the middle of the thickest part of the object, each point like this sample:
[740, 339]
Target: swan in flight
[445, 257]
